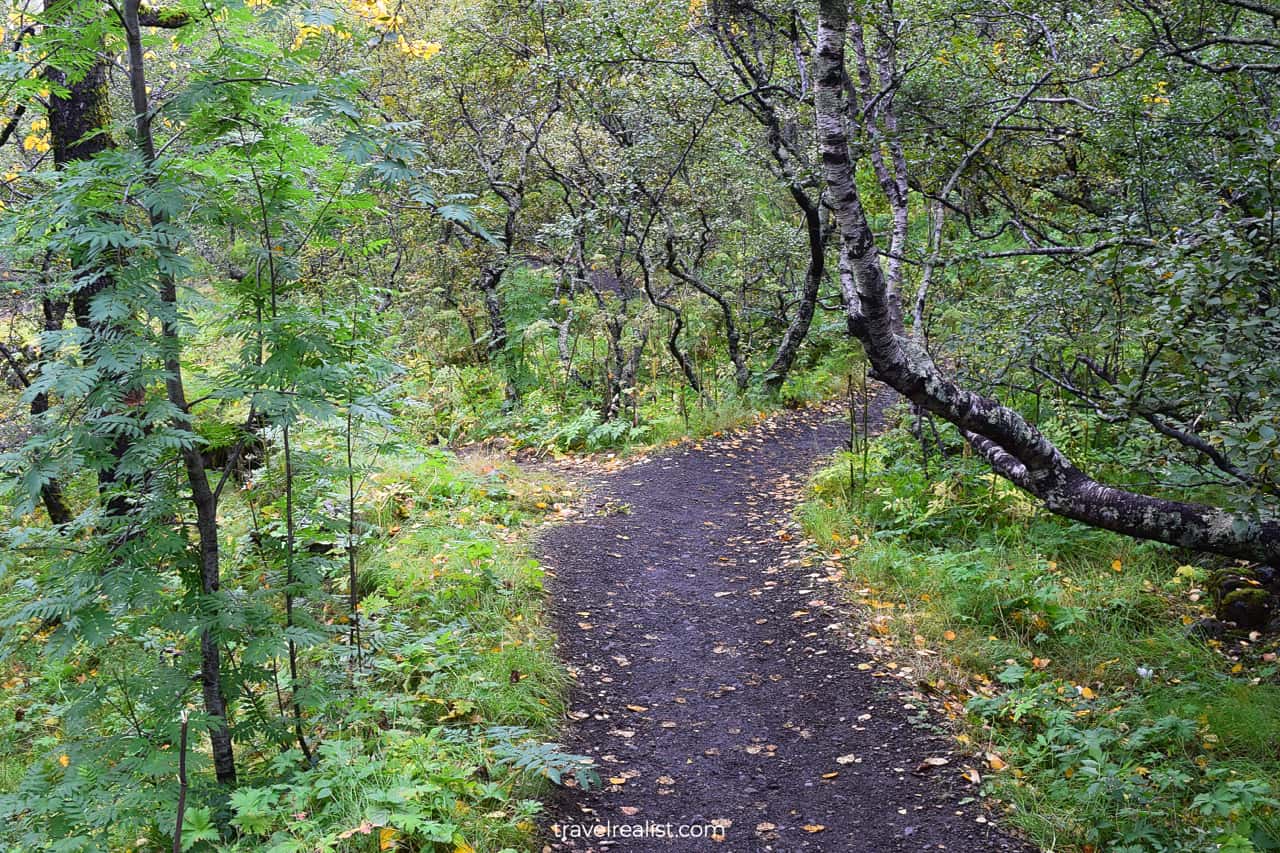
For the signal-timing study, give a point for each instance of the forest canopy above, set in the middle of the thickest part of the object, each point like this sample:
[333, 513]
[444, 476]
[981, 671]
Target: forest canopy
[256, 254]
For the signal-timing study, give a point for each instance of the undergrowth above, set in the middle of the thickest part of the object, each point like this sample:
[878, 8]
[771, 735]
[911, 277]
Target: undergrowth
[462, 400]
[443, 741]
[1063, 653]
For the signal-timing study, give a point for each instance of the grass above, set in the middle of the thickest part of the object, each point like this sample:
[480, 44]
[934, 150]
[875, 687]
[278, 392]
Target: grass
[1063, 655]
[444, 741]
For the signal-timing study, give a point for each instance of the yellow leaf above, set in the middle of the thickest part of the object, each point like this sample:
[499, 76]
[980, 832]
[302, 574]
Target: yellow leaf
[996, 762]
[1087, 693]
[948, 635]
[64, 759]
[1116, 565]
[813, 827]
[463, 847]
[387, 838]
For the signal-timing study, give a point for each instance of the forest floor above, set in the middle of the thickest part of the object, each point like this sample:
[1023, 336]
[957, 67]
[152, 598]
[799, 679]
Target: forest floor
[718, 685]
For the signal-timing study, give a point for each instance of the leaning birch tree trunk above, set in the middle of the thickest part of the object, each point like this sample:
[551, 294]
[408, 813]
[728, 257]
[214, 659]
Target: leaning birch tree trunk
[1014, 448]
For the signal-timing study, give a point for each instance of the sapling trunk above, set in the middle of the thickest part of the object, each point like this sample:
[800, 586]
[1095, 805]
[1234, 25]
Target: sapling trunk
[290, 546]
[182, 783]
[353, 589]
[866, 425]
[202, 496]
[853, 436]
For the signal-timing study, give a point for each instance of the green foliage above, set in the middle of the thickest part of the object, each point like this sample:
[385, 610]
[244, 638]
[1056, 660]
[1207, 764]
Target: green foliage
[360, 691]
[1064, 650]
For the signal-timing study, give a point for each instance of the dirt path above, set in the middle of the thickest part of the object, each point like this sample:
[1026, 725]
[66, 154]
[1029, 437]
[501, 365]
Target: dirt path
[715, 676]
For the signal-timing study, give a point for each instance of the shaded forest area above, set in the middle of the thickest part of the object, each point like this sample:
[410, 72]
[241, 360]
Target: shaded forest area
[268, 264]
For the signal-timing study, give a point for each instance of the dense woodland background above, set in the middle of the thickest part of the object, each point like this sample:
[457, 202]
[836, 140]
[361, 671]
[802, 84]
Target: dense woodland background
[264, 260]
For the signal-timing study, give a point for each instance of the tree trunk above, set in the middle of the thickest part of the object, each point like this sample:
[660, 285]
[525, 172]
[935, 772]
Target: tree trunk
[204, 499]
[1015, 449]
[499, 338]
[733, 340]
[54, 310]
[798, 329]
[79, 129]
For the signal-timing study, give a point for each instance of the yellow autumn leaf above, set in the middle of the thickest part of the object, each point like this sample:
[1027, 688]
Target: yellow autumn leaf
[387, 838]
[64, 760]
[813, 827]
[948, 635]
[1116, 565]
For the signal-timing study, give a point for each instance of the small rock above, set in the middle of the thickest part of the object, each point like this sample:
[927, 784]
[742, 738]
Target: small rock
[1206, 629]
[1248, 607]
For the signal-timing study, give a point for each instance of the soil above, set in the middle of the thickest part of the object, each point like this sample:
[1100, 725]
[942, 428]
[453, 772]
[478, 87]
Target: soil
[716, 669]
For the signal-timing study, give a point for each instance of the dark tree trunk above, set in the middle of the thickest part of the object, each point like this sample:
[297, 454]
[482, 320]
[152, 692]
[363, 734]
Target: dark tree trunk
[54, 310]
[733, 340]
[79, 129]
[79, 124]
[1014, 448]
[203, 497]
[798, 329]
[499, 338]
[50, 492]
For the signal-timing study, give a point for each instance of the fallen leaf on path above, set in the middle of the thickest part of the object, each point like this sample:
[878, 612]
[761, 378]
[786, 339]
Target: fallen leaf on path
[813, 827]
